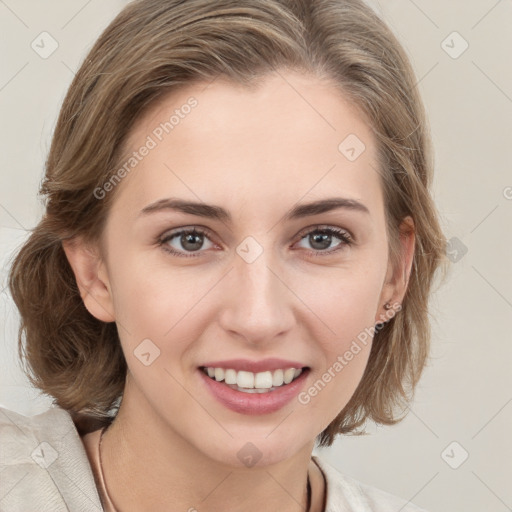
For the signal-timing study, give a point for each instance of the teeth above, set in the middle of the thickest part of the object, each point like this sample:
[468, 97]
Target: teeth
[253, 382]
[278, 378]
[263, 380]
[230, 377]
[288, 375]
[252, 390]
[245, 379]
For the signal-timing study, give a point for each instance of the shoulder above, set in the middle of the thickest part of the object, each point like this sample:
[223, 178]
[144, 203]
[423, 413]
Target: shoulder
[350, 495]
[43, 463]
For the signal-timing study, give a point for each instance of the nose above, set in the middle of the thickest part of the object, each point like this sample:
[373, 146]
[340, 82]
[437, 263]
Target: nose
[256, 302]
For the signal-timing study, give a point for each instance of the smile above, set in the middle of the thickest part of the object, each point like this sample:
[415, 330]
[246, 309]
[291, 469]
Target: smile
[258, 394]
[250, 382]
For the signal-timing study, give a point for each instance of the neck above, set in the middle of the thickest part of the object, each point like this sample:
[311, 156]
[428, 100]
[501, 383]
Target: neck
[148, 465]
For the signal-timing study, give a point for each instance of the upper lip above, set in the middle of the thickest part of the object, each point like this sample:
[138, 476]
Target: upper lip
[247, 365]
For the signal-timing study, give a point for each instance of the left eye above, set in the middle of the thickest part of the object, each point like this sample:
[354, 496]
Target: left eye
[193, 240]
[323, 237]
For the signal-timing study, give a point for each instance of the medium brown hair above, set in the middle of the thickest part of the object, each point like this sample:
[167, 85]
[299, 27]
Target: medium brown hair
[155, 46]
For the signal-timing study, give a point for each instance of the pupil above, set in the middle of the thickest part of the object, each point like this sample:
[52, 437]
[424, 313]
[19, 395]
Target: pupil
[323, 239]
[192, 238]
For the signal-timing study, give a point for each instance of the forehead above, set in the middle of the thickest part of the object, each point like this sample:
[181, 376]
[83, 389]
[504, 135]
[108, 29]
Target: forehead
[291, 136]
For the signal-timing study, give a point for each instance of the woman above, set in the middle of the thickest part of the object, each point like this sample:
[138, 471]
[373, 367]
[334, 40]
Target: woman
[235, 262]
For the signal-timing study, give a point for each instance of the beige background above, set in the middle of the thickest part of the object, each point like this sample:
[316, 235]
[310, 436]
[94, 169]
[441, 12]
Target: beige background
[465, 395]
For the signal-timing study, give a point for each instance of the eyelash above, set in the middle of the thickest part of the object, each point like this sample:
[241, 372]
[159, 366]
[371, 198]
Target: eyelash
[344, 236]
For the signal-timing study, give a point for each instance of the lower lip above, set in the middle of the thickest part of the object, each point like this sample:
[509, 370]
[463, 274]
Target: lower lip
[254, 403]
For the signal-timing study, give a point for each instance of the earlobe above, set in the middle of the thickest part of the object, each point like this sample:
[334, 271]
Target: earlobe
[91, 278]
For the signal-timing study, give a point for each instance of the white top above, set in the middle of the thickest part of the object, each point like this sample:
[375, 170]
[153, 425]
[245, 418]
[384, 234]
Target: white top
[44, 467]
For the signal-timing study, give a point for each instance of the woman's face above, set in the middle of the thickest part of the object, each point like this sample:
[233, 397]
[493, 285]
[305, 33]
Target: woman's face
[260, 279]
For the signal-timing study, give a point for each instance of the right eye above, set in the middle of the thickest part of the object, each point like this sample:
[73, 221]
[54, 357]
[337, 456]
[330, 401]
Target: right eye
[184, 241]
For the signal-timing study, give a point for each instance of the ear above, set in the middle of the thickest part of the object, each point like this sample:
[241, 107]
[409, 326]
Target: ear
[397, 278]
[91, 277]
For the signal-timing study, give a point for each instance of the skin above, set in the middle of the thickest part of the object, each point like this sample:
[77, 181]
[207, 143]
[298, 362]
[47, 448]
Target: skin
[256, 153]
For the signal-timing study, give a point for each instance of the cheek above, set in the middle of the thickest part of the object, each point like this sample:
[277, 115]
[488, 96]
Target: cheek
[166, 306]
[147, 294]
[343, 308]
[344, 338]
[343, 300]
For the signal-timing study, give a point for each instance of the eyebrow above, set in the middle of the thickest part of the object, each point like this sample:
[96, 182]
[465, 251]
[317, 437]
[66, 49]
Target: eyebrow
[218, 213]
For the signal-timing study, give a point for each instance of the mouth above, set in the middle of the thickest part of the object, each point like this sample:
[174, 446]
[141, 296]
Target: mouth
[251, 393]
[252, 382]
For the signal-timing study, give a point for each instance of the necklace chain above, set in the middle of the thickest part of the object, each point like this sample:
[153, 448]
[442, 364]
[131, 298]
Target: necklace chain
[101, 469]
[110, 499]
